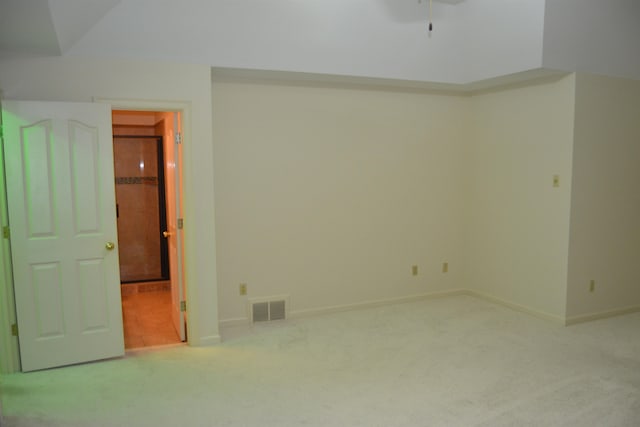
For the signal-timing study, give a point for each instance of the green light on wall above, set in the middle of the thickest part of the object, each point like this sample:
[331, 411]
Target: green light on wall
[8, 120]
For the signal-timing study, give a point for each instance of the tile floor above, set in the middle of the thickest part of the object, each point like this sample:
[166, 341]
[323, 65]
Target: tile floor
[147, 319]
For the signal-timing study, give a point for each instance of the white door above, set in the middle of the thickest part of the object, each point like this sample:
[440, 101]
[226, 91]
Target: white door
[60, 189]
[173, 163]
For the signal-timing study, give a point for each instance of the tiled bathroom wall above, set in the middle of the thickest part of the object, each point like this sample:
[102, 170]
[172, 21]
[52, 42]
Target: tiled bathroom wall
[139, 234]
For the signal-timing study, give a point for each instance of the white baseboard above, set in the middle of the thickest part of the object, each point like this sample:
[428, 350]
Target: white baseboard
[601, 315]
[372, 304]
[208, 340]
[560, 320]
[243, 321]
[238, 321]
[541, 314]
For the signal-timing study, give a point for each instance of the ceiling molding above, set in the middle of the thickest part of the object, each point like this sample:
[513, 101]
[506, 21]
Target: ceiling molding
[237, 75]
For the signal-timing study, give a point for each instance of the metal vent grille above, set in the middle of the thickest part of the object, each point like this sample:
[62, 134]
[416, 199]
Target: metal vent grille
[276, 310]
[262, 311]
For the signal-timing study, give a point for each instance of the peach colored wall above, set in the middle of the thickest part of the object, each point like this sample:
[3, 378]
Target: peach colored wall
[137, 180]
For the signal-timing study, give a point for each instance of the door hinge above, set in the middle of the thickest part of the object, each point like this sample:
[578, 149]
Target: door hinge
[183, 306]
[14, 329]
[180, 223]
[179, 138]
[6, 232]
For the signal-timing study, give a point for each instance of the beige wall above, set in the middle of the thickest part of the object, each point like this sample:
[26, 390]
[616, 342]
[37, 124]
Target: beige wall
[517, 222]
[331, 195]
[82, 79]
[605, 204]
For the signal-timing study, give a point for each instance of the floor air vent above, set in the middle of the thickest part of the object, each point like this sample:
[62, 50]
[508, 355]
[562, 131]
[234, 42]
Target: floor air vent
[263, 311]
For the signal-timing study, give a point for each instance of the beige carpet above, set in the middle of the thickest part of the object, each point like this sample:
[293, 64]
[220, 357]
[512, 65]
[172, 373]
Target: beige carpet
[456, 361]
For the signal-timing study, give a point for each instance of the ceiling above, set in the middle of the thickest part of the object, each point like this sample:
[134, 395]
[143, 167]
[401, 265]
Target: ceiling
[40, 27]
[472, 40]
[52, 27]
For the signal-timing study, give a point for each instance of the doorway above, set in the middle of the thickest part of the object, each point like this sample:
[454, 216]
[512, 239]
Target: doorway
[140, 208]
[147, 178]
[68, 310]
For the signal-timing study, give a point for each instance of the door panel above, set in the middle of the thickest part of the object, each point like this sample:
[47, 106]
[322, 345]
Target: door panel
[85, 173]
[37, 177]
[95, 313]
[60, 188]
[47, 292]
[173, 165]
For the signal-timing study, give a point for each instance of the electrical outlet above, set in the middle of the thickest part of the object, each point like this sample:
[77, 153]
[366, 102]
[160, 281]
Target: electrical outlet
[445, 267]
[243, 288]
[592, 286]
[414, 270]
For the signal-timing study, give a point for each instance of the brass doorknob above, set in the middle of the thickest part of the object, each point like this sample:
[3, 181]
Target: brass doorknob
[166, 234]
[110, 246]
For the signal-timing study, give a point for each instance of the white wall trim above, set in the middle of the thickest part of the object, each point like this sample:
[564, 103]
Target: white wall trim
[209, 340]
[372, 304]
[304, 79]
[240, 321]
[190, 292]
[601, 315]
[559, 320]
[236, 321]
[540, 314]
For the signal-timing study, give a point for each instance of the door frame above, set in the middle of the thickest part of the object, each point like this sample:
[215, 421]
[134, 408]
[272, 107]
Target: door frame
[184, 108]
[9, 347]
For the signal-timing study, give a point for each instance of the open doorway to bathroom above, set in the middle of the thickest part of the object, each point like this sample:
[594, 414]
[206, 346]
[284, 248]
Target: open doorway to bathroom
[140, 208]
[147, 177]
